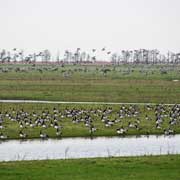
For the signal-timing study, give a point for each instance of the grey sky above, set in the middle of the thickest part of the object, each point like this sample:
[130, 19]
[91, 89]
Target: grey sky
[67, 24]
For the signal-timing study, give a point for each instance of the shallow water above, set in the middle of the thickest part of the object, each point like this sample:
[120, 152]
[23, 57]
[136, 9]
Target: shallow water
[73, 102]
[68, 148]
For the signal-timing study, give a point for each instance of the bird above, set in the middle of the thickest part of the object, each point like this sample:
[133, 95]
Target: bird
[43, 135]
[2, 136]
[1, 126]
[94, 58]
[58, 132]
[93, 50]
[121, 130]
[168, 132]
[22, 135]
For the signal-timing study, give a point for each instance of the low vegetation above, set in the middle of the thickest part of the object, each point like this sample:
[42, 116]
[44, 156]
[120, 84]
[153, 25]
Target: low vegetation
[124, 83]
[134, 168]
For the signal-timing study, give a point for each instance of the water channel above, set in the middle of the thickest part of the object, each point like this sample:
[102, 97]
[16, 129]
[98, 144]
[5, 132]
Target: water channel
[70, 148]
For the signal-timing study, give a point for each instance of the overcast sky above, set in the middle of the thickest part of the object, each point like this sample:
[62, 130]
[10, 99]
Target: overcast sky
[67, 24]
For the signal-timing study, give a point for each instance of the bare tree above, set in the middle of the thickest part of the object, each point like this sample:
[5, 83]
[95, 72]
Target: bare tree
[46, 55]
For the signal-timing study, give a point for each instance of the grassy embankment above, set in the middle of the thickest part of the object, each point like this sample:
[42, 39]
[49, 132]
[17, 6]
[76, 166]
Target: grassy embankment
[134, 168]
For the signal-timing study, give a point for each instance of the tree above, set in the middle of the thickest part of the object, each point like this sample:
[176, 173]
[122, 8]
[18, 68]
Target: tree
[46, 55]
[114, 58]
[57, 57]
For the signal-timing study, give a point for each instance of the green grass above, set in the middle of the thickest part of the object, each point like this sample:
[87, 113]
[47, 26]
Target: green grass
[87, 83]
[125, 83]
[134, 168]
[80, 130]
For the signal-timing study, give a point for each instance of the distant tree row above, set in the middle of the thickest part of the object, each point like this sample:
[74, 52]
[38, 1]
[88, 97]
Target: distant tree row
[125, 56]
[144, 56]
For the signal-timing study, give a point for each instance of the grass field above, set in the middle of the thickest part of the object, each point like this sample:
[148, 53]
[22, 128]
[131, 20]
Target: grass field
[134, 168]
[126, 83]
[70, 129]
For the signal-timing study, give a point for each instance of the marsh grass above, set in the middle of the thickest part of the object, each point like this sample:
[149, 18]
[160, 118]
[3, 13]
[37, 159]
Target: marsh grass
[135, 168]
[142, 84]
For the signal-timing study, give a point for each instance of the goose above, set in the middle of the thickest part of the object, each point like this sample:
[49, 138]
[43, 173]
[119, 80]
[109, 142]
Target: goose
[55, 120]
[44, 125]
[99, 110]
[69, 115]
[173, 122]
[87, 123]
[62, 116]
[117, 120]
[31, 124]
[55, 110]
[34, 114]
[21, 125]
[44, 113]
[43, 135]
[7, 115]
[121, 116]
[56, 126]
[92, 129]
[51, 123]
[171, 131]
[111, 123]
[107, 123]
[1, 126]
[55, 115]
[130, 125]
[26, 122]
[13, 111]
[168, 132]
[1, 119]
[121, 130]
[158, 126]
[22, 135]
[3, 136]
[159, 121]
[93, 50]
[147, 118]
[74, 120]
[58, 132]
[12, 118]
[138, 121]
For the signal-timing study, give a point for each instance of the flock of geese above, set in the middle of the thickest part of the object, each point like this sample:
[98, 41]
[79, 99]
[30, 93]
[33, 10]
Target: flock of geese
[109, 116]
[65, 70]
